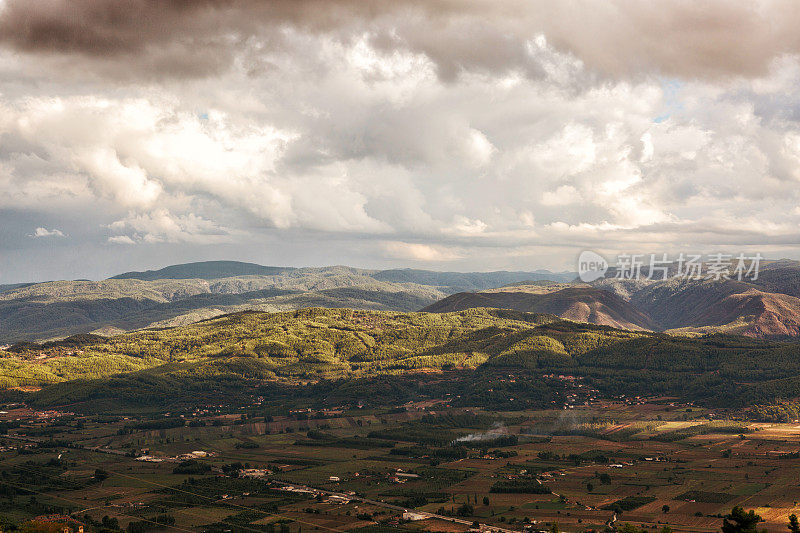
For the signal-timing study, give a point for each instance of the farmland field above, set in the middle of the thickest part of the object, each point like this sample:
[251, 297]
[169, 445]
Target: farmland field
[651, 463]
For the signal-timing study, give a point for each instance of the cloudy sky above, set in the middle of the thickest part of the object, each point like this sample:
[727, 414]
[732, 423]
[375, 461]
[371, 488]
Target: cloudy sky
[443, 134]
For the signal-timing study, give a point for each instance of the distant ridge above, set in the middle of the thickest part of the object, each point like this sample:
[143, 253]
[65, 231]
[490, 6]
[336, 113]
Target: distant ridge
[205, 270]
[766, 307]
[461, 280]
[469, 280]
[583, 304]
[12, 286]
[185, 293]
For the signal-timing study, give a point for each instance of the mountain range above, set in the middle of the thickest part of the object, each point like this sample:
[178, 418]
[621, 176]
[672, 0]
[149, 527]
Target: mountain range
[767, 307]
[186, 293]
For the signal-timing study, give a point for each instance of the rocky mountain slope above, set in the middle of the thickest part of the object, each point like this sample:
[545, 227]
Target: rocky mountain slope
[768, 307]
[579, 303]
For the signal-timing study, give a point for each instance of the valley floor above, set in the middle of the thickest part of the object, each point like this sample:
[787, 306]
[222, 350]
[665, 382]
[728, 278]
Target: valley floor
[226, 468]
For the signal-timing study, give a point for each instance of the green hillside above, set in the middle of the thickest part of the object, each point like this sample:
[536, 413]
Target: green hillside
[306, 352]
[300, 344]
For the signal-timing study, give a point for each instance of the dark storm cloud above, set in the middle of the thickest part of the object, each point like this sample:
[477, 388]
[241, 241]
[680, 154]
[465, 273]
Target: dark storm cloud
[620, 37]
[170, 37]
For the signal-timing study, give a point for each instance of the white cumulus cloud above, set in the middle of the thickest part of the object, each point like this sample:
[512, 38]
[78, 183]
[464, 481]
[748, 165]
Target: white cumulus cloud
[44, 232]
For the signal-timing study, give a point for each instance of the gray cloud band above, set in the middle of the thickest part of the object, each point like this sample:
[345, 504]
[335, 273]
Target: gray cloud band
[617, 37]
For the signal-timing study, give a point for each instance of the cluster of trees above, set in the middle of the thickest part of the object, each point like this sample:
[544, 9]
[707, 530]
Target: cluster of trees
[447, 453]
[591, 456]
[777, 412]
[192, 467]
[630, 503]
[519, 486]
[148, 425]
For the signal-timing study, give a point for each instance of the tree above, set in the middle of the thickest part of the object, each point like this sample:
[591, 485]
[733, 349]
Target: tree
[589, 487]
[665, 509]
[466, 510]
[485, 500]
[741, 522]
[554, 528]
[100, 475]
[794, 525]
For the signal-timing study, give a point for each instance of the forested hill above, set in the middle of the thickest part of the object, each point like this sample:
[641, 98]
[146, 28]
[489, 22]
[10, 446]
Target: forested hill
[205, 270]
[182, 294]
[252, 353]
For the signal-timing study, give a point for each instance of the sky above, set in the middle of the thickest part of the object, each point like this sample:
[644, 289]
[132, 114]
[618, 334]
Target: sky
[464, 135]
